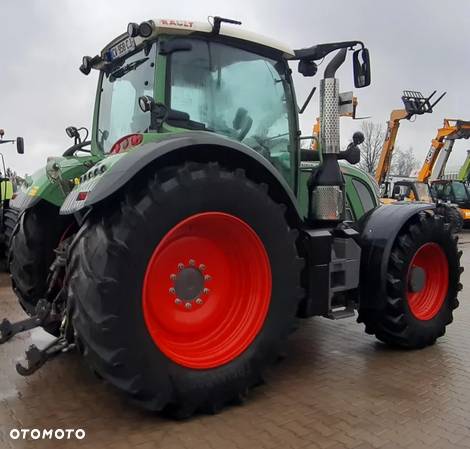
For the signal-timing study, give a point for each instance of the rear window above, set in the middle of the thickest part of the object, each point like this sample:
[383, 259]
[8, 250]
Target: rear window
[365, 195]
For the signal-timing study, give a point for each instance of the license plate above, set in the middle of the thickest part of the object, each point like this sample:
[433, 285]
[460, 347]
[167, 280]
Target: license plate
[121, 49]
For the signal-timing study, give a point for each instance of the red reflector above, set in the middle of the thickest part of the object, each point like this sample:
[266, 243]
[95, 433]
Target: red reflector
[127, 142]
[136, 139]
[82, 196]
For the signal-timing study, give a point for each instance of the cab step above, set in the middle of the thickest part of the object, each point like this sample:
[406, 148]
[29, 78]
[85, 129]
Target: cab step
[338, 314]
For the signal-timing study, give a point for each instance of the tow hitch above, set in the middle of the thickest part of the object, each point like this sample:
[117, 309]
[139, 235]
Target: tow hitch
[41, 318]
[36, 357]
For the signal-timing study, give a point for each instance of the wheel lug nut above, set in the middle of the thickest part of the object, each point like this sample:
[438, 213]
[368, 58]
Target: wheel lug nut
[173, 277]
[206, 291]
[192, 262]
[188, 305]
[199, 301]
[207, 277]
[180, 266]
[178, 301]
[172, 290]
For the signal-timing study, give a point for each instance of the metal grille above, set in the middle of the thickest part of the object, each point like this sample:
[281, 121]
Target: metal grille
[329, 115]
[327, 202]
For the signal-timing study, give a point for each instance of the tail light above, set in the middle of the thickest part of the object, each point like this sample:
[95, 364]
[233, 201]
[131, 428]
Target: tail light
[127, 142]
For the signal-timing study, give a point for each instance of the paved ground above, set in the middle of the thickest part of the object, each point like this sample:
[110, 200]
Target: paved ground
[338, 388]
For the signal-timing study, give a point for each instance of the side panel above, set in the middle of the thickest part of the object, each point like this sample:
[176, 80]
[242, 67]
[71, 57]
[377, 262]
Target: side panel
[379, 229]
[105, 183]
[41, 186]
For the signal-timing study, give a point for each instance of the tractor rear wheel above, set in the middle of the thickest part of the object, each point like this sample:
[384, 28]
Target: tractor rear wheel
[183, 293]
[36, 234]
[422, 284]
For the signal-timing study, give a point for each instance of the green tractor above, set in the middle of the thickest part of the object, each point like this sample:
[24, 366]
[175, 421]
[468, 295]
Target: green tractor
[8, 216]
[176, 249]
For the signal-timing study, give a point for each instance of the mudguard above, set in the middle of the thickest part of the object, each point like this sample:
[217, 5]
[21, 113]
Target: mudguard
[379, 229]
[103, 183]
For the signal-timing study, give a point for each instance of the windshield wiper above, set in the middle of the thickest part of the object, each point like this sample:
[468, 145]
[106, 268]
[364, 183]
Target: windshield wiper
[119, 73]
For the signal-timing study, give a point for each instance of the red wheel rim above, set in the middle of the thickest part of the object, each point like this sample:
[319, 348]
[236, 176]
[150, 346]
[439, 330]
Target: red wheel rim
[207, 290]
[426, 303]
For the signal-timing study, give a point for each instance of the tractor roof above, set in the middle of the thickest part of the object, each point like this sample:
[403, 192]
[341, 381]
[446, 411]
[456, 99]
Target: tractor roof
[187, 27]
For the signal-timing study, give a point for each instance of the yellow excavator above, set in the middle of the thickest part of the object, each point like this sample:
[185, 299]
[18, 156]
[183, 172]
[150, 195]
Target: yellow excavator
[432, 172]
[419, 189]
[414, 104]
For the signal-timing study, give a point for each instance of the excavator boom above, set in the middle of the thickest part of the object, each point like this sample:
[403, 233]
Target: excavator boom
[415, 104]
[446, 136]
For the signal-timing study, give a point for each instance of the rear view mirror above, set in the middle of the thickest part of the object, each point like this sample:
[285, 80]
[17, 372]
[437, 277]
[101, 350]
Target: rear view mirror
[20, 145]
[361, 64]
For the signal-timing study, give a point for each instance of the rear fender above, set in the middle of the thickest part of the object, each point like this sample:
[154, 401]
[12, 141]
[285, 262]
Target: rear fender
[178, 148]
[378, 231]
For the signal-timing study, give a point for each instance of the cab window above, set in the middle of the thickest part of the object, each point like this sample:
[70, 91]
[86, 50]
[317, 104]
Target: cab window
[365, 195]
[236, 93]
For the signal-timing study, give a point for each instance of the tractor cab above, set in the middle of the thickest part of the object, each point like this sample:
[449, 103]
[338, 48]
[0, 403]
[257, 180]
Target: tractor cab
[412, 191]
[185, 77]
[165, 78]
[455, 192]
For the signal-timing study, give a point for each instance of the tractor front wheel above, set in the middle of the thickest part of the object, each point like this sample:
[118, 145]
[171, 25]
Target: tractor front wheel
[183, 292]
[422, 283]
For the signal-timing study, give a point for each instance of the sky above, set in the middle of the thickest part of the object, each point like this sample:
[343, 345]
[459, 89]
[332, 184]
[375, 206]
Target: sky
[413, 44]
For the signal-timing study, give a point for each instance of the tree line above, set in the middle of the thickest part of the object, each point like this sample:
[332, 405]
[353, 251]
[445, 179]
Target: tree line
[403, 161]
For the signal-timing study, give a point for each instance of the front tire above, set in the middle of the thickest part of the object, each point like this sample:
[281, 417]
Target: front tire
[422, 283]
[138, 275]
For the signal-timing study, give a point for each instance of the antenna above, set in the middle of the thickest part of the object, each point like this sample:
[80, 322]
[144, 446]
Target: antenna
[218, 20]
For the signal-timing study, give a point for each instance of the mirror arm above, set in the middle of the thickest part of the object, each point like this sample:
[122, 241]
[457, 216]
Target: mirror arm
[335, 63]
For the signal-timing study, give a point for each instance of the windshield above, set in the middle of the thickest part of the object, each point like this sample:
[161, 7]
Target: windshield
[460, 192]
[119, 111]
[424, 192]
[237, 93]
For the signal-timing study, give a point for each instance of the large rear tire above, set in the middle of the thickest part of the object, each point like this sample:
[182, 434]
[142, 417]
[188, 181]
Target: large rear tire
[183, 292]
[422, 285]
[36, 234]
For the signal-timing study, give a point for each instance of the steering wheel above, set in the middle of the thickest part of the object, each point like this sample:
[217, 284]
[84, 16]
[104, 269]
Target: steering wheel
[242, 122]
